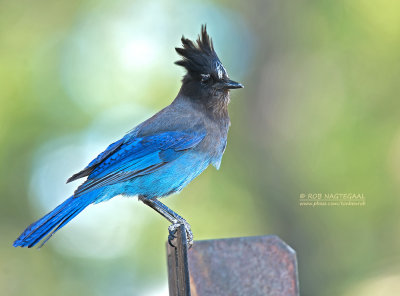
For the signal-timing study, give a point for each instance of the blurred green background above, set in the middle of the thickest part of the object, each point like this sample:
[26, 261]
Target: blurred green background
[319, 114]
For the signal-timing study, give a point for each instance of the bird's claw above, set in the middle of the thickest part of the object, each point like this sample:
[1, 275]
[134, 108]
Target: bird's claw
[172, 231]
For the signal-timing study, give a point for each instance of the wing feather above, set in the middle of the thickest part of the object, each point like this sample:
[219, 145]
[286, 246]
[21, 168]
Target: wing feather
[136, 157]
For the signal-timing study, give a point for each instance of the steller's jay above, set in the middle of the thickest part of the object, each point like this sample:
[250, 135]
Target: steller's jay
[161, 155]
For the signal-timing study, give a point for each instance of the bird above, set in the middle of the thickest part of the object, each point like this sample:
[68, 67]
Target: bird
[161, 155]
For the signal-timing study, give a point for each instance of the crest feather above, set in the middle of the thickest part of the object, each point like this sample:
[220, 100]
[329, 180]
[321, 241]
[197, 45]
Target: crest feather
[199, 57]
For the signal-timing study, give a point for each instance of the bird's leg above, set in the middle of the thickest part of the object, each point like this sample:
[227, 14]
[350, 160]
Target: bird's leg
[172, 217]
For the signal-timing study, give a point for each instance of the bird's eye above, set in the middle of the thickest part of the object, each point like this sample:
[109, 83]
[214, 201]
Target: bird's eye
[205, 78]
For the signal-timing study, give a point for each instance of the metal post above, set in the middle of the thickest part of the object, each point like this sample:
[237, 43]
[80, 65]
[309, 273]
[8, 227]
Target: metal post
[256, 266]
[178, 268]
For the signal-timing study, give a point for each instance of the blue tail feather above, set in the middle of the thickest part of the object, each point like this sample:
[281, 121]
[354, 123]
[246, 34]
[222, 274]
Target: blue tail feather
[53, 221]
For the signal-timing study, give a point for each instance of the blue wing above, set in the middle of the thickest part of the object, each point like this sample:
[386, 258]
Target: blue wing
[130, 158]
[101, 157]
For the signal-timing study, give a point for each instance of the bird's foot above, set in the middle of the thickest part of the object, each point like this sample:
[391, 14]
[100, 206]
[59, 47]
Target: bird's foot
[172, 231]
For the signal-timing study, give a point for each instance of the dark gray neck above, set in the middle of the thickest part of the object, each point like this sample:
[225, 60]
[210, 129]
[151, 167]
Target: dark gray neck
[212, 104]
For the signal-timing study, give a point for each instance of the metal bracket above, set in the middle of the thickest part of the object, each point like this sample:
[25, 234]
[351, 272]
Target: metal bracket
[260, 265]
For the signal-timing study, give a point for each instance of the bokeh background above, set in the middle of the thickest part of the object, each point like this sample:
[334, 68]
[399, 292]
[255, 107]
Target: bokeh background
[319, 114]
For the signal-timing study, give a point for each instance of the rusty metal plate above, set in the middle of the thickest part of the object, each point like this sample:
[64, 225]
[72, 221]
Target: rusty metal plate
[263, 265]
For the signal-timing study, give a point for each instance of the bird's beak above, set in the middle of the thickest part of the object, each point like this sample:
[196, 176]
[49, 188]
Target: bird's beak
[230, 84]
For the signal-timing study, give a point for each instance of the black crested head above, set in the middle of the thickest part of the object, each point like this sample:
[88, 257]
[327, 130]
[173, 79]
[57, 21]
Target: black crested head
[198, 58]
[206, 77]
